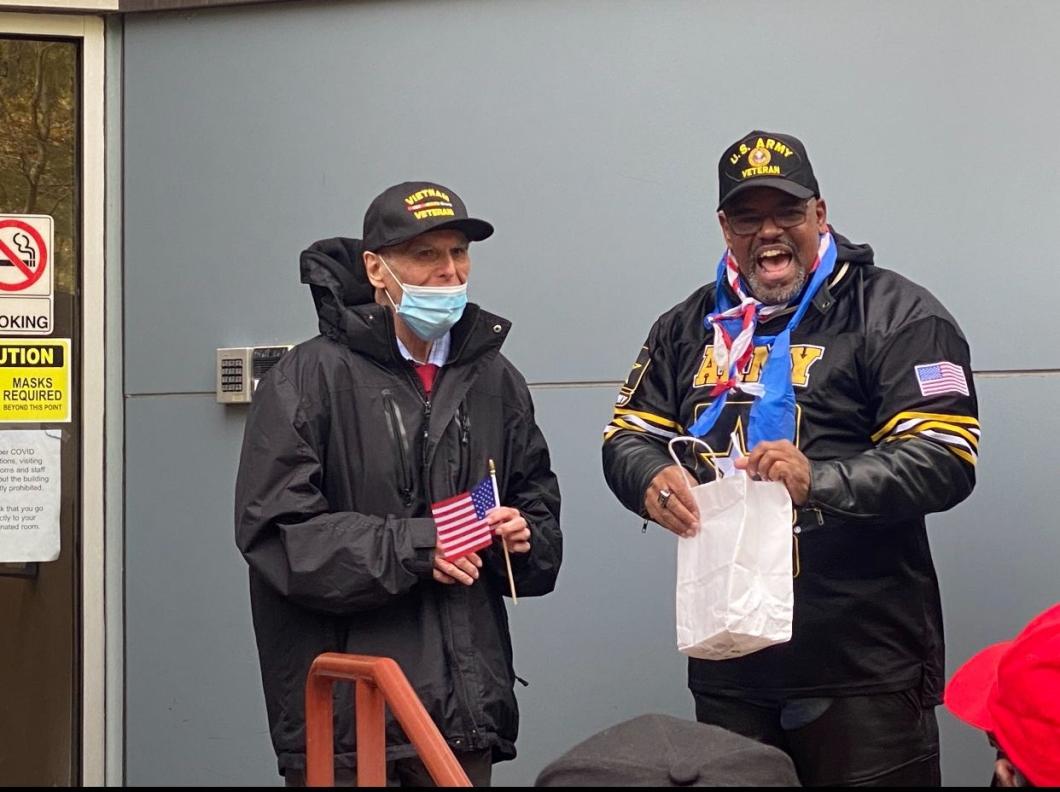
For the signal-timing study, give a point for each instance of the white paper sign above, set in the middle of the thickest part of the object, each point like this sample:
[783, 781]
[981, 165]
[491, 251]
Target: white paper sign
[29, 494]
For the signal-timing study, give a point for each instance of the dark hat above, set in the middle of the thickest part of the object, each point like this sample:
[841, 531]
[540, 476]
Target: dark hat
[766, 159]
[660, 750]
[411, 208]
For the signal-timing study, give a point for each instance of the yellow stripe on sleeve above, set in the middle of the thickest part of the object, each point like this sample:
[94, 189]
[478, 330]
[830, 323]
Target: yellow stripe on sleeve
[665, 423]
[964, 420]
[947, 427]
[958, 452]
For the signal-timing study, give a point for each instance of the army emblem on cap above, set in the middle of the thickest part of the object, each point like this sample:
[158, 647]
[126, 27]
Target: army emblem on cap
[759, 157]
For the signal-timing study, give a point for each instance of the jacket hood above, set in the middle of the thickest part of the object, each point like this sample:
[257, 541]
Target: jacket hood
[334, 270]
[854, 252]
[347, 312]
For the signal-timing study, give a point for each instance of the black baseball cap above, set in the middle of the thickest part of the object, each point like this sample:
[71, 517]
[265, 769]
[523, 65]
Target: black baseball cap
[766, 159]
[409, 209]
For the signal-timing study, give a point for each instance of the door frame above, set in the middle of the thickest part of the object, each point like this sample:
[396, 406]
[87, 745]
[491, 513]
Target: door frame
[94, 607]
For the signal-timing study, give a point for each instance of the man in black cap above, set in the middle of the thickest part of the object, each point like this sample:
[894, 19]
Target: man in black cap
[398, 405]
[806, 364]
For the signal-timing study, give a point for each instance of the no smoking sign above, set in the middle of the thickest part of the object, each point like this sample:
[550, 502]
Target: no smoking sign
[27, 274]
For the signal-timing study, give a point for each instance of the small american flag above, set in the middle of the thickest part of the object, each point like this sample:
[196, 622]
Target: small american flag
[461, 521]
[942, 377]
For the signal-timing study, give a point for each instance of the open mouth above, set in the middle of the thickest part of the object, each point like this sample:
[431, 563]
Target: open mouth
[774, 263]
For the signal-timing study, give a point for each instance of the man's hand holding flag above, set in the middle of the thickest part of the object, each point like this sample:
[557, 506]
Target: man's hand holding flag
[467, 523]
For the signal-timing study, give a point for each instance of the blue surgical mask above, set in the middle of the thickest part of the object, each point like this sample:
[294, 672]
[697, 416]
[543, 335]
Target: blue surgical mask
[429, 311]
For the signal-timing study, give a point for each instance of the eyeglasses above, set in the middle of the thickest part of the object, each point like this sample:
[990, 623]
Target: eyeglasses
[747, 223]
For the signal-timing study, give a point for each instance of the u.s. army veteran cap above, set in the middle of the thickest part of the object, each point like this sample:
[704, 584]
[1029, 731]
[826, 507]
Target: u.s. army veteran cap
[766, 159]
[411, 208]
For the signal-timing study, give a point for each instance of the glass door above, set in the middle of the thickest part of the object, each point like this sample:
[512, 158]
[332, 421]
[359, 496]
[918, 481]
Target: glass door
[51, 718]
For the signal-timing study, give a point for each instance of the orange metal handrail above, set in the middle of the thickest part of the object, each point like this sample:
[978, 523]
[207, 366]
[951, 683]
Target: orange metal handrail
[380, 681]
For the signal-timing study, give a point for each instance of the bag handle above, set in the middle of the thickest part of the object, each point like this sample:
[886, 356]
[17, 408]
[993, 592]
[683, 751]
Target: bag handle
[700, 441]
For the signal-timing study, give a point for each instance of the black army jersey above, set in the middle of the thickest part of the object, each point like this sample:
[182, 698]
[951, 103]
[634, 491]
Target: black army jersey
[887, 414]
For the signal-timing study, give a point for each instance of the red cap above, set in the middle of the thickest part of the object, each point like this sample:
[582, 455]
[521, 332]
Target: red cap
[1012, 690]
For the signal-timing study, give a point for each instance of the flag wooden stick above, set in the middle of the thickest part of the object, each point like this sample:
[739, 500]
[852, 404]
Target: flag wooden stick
[504, 542]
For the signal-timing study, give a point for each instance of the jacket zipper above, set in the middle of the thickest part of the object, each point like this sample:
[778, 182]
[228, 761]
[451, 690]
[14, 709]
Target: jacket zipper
[464, 420]
[426, 436]
[459, 676]
[417, 387]
[452, 638]
[397, 431]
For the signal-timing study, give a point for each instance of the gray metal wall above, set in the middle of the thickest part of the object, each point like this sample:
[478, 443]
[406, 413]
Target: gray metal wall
[589, 133]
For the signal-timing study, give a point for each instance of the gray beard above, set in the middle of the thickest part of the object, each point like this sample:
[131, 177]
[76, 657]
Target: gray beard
[775, 295]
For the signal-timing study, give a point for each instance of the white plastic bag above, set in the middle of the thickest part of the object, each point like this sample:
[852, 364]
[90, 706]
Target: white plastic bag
[734, 577]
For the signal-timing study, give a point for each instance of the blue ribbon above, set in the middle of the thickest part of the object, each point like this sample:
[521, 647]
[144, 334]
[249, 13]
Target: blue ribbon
[773, 413]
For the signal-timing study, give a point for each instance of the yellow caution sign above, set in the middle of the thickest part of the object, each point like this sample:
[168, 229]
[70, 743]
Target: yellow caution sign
[35, 381]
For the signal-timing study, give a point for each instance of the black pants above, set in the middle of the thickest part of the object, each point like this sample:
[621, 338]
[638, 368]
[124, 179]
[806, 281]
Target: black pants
[410, 772]
[887, 739]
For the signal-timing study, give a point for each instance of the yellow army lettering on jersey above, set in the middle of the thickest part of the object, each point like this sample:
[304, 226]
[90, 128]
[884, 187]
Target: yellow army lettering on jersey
[803, 356]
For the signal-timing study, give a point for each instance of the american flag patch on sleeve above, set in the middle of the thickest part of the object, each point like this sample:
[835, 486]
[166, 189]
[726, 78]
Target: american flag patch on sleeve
[941, 377]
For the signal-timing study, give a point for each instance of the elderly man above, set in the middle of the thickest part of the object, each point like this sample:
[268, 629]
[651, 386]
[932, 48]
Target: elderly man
[805, 363]
[398, 405]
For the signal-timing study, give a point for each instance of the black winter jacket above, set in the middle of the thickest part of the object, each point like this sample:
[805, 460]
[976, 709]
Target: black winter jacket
[888, 444]
[342, 457]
